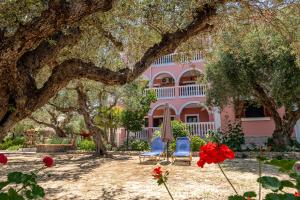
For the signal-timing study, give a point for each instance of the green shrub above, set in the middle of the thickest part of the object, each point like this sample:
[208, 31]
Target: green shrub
[87, 145]
[14, 148]
[59, 140]
[196, 143]
[214, 136]
[234, 136]
[156, 134]
[139, 145]
[179, 129]
[12, 142]
[172, 146]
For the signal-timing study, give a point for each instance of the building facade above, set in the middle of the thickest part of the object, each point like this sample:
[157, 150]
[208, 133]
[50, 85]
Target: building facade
[174, 79]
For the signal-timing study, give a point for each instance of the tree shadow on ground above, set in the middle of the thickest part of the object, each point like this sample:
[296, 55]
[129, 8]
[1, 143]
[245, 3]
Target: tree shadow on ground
[181, 163]
[105, 194]
[248, 166]
[149, 162]
[77, 166]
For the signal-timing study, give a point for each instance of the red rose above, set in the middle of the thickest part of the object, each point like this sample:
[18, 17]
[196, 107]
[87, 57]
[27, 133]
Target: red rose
[297, 194]
[48, 161]
[3, 159]
[214, 153]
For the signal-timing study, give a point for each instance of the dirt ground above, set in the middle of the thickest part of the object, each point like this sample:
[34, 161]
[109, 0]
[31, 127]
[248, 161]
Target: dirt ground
[84, 177]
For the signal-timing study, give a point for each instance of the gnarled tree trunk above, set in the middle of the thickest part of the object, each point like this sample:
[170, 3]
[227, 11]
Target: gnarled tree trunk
[96, 131]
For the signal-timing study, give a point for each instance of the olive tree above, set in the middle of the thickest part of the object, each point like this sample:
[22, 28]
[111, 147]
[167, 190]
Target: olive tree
[258, 65]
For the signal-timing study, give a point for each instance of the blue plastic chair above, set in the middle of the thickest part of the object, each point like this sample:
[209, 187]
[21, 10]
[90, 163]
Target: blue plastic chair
[157, 149]
[183, 149]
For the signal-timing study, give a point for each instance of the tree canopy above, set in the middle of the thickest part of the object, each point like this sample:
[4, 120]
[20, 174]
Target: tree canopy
[259, 65]
[44, 44]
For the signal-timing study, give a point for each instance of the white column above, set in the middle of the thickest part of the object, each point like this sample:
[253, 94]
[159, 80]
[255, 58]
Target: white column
[217, 117]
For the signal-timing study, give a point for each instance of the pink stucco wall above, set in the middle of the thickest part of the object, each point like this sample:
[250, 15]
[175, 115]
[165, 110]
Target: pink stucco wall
[255, 127]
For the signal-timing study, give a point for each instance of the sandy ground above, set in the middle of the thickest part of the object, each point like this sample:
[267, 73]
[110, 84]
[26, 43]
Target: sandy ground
[83, 177]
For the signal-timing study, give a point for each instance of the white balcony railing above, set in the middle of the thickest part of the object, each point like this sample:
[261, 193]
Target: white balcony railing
[144, 134]
[192, 90]
[164, 92]
[178, 57]
[200, 128]
[182, 91]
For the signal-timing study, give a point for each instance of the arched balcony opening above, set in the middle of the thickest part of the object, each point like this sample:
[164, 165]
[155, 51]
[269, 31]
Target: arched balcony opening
[197, 118]
[164, 85]
[188, 84]
[164, 80]
[158, 115]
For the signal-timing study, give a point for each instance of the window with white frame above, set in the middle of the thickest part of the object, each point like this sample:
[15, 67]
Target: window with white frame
[192, 118]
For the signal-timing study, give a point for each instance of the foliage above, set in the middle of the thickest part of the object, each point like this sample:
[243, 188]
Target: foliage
[14, 147]
[179, 129]
[137, 105]
[26, 184]
[156, 134]
[59, 140]
[215, 136]
[234, 136]
[87, 145]
[10, 142]
[196, 143]
[139, 145]
[23, 186]
[172, 146]
[276, 187]
[21, 127]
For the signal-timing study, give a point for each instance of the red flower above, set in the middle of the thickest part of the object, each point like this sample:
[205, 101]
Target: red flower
[297, 194]
[157, 173]
[214, 153]
[3, 159]
[48, 161]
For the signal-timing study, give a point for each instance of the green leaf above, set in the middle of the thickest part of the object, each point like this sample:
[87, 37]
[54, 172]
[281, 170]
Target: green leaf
[269, 182]
[4, 196]
[298, 183]
[15, 177]
[29, 194]
[284, 165]
[274, 196]
[286, 183]
[3, 184]
[29, 179]
[250, 194]
[293, 175]
[13, 195]
[236, 197]
[38, 191]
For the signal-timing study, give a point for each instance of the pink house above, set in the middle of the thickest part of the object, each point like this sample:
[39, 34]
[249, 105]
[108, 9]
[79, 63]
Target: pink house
[175, 83]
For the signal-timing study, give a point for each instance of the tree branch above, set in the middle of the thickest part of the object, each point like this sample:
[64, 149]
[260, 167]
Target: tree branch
[64, 110]
[41, 122]
[57, 16]
[118, 44]
[46, 53]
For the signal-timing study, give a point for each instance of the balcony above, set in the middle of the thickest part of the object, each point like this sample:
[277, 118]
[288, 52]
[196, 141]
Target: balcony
[177, 57]
[182, 91]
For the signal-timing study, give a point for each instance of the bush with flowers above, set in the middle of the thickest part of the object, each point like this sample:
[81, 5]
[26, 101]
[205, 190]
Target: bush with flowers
[21, 186]
[214, 153]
